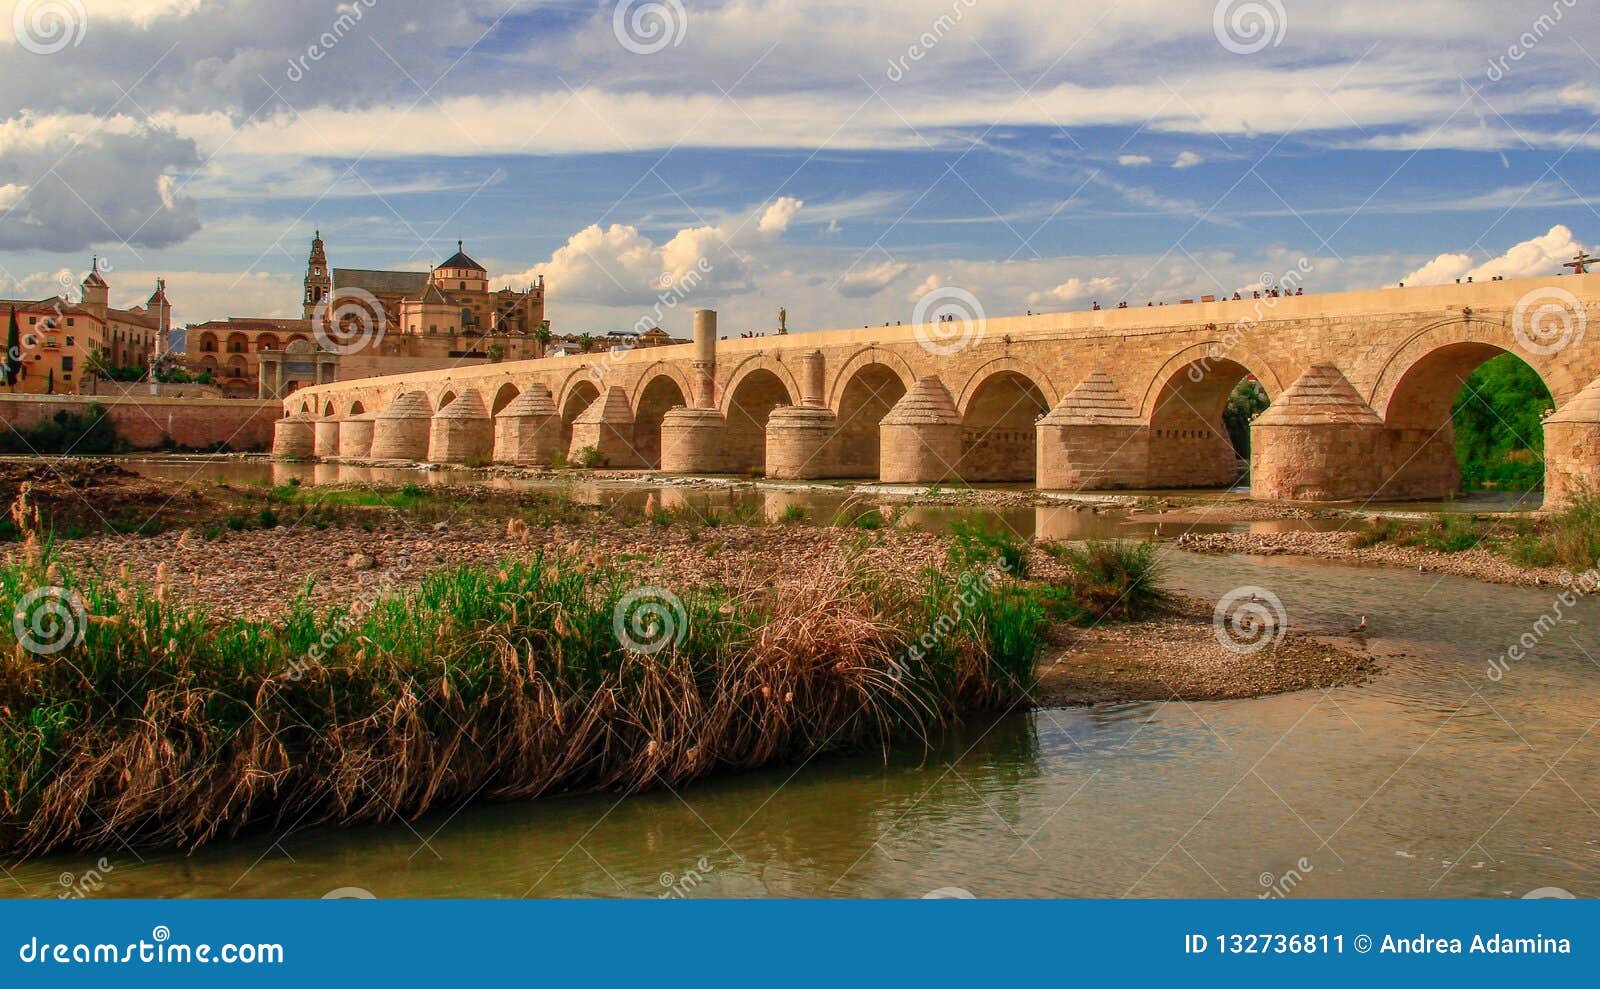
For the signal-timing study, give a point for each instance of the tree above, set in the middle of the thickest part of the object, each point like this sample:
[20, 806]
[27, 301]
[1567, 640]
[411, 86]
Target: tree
[50, 382]
[13, 362]
[586, 341]
[541, 335]
[1245, 403]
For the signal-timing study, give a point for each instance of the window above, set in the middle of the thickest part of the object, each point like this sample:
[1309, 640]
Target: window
[69, 339]
[33, 321]
[66, 377]
[71, 321]
[463, 286]
[66, 362]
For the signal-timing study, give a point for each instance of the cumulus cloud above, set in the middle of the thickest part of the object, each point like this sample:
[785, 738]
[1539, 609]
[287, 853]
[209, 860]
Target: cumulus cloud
[618, 265]
[73, 184]
[1542, 255]
[868, 280]
[1076, 290]
[1133, 161]
[1187, 159]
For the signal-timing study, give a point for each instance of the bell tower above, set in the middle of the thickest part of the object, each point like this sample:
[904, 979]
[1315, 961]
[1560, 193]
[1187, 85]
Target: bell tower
[319, 279]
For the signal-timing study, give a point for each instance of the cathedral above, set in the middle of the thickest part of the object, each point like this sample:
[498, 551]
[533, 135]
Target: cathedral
[409, 321]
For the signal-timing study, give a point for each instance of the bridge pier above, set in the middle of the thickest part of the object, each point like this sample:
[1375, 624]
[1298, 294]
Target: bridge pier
[401, 431]
[1093, 441]
[293, 436]
[1572, 450]
[355, 436]
[920, 439]
[797, 435]
[461, 432]
[325, 437]
[606, 425]
[1318, 441]
[528, 431]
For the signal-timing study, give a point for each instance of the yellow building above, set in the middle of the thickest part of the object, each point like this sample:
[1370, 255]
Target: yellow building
[60, 341]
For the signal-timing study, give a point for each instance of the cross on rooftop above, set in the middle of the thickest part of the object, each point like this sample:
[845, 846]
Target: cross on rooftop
[1580, 264]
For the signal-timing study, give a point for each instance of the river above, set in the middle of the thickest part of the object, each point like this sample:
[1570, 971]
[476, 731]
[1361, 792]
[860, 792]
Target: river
[1432, 780]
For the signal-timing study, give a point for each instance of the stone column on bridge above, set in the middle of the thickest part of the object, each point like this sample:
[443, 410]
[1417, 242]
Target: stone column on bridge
[798, 434]
[606, 425]
[1093, 441]
[325, 437]
[693, 440]
[293, 436]
[528, 431]
[1318, 441]
[1572, 450]
[400, 432]
[462, 432]
[355, 436]
[919, 441]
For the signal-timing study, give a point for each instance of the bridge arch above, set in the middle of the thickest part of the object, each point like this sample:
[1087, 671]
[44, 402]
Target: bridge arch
[752, 396]
[578, 393]
[1416, 395]
[1000, 406]
[1184, 405]
[867, 390]
[356, 408]
[848, 368]
[504, 396]
[751, 365]
[657, 393]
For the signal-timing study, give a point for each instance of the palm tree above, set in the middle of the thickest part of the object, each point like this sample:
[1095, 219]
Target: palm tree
[541, 336]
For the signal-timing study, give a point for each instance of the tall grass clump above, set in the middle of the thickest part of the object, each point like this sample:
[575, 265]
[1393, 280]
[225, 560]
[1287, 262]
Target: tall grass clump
[167, 725]
[1111, 579]
[1569, 538]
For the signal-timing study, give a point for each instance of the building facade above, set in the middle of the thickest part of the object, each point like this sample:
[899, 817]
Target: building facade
[376, 322]
[62, 342]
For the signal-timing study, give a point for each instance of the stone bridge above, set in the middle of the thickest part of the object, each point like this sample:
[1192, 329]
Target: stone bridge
[1361, 385]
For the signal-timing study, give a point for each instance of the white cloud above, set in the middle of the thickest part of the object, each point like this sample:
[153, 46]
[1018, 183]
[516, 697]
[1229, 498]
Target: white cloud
[1187, 159]
[924, 287]
[863, 282]
[618, 265]
[10, 194]
[1133, 161]
[1536, 256]
[1076, 290]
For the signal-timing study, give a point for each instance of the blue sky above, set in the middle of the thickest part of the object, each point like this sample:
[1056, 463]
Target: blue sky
[840, 160]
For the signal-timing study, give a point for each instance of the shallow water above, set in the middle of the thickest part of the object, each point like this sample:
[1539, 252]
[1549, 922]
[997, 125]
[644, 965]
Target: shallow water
[1433, 780]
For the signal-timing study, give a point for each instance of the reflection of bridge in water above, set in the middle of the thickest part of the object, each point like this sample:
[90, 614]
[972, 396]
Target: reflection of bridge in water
[1362, 385]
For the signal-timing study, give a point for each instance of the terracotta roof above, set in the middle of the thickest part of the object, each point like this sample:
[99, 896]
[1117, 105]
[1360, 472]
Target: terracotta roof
[407, 283]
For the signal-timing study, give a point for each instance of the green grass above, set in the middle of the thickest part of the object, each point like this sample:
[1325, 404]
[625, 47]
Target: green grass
[506, 680]
[1114, 579]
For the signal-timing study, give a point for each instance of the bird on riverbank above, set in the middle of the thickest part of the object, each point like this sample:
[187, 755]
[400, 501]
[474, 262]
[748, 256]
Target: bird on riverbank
[1361, 627]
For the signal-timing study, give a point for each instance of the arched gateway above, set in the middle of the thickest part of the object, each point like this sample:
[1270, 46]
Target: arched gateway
[1360, 387]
